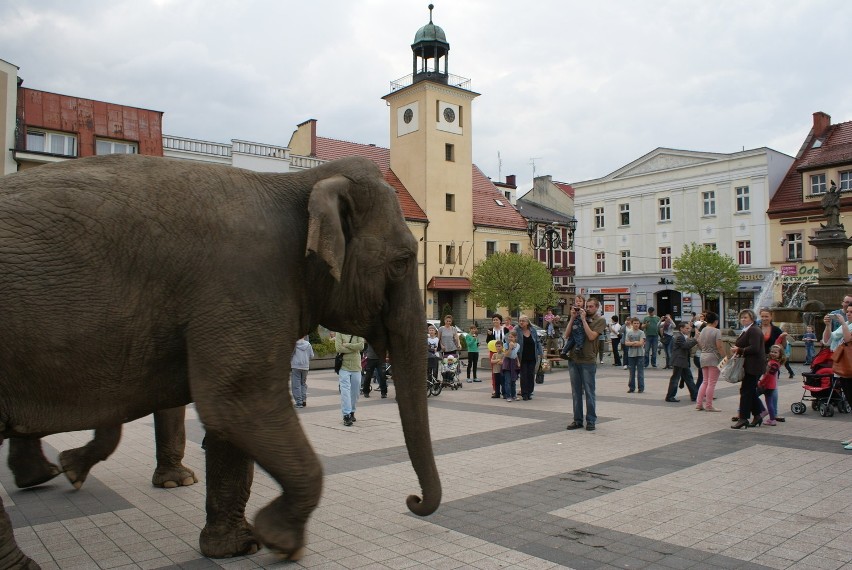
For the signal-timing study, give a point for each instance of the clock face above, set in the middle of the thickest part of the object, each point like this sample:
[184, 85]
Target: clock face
[407, 116]
[449, 115]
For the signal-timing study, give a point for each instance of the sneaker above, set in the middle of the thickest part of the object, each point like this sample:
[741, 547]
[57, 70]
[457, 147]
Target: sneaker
[299, 405]
[699, 408]
[770, 423]
[631, 391]
[846, 442]
[590, 427]
[574, 425]
[347, 420]
[477, 380]
[711, 409]
[384, 396]
[849, 447]
[305, 403]
[625, 367]
[469, 380]
[352, 415]
[641, 390]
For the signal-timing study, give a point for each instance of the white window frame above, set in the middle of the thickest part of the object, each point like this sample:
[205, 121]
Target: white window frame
[115, 147]
[67, 141]
[624, 214]
[490, 248]
[744, 252]
[818, 184]
[665, 258]
[743, 199]
[846, 180]
[600, 262]
[625, 261]
[599, 218]
[709, 200]
[795, 246]
[665, 209]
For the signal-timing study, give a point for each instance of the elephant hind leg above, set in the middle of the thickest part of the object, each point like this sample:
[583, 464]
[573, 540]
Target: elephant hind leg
[170, 435]
[28, 463]
[10, 554]
[76, 463]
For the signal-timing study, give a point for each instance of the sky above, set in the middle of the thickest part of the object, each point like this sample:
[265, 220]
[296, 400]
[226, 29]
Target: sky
[574, 89]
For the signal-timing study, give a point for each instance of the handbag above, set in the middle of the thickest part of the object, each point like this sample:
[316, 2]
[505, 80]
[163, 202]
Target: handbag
[338, 362]
[539, 375]
[732, 370]
[842, 357]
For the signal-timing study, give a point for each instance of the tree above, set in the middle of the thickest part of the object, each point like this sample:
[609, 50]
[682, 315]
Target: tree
[705, 271]
[512, 280]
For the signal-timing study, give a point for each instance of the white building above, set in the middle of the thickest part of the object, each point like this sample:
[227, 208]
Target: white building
[635, 221]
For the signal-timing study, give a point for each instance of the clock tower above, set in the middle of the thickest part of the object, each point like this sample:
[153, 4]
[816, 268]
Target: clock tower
[431, 150]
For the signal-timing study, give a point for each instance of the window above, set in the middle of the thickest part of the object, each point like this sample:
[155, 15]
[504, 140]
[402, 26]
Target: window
[665, 209]
[490, 248]
[451, 255]
[600, 262]
[451, 202]
[599, 218]
[744, 252]
[795, 246]
[508, 195]
[710, 246]
[104, 146]
[665, 258]
[449, 153]
[709, 203]
[624, 212]
[625, 261]
[514, 248]
[846, 180]
[440, 254]
[743, 204]
[53, 143]
[818, 184]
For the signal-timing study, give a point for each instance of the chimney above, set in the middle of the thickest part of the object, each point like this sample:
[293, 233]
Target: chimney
[821, 123]
[510, 180]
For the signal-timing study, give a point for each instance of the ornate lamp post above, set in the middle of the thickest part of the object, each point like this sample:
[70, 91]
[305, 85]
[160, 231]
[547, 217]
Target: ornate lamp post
[551, 238]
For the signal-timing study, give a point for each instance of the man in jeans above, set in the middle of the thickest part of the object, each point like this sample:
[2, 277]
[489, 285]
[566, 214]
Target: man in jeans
[651, 326]
[582, 365]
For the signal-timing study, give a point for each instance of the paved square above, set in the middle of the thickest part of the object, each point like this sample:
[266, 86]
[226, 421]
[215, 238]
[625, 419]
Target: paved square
[657, 485]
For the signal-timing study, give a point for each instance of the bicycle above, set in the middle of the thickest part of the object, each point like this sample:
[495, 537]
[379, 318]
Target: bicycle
[433, 385]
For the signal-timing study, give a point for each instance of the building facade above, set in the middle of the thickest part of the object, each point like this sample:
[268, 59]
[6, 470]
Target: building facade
[635, 221]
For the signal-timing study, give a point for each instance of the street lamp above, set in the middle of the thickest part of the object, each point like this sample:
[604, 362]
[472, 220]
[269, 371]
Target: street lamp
[551, 237]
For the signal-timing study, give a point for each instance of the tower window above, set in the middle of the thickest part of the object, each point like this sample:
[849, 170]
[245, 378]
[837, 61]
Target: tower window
[450, 152]
[451, 202]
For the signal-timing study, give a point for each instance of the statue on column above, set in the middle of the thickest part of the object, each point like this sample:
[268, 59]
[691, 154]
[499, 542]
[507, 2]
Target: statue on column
[831, 207]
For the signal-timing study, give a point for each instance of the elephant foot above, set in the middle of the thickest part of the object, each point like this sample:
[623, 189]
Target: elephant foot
[278, 532]
[227, 542]
[172, 477]
[34, 474]
[75, 466]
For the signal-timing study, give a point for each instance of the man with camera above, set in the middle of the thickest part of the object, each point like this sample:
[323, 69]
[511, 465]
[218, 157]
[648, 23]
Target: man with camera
[582, 363]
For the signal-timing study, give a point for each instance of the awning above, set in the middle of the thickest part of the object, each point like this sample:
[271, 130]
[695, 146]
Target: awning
[449, 284]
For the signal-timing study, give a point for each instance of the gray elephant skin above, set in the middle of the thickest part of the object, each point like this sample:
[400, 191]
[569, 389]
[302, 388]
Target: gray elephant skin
[133, 284]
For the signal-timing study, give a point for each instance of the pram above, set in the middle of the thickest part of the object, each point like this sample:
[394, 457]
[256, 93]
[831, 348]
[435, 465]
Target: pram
[449, 371]
[821, 388]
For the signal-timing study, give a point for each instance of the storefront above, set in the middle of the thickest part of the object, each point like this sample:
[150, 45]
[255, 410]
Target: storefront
[753, 292]
[614, 301]
[794, 279]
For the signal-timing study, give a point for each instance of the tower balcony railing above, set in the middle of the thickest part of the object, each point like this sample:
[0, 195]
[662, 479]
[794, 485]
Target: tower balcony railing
[452, 80]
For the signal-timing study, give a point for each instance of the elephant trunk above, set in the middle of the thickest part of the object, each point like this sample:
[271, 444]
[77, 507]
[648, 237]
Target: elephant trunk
[407, 344]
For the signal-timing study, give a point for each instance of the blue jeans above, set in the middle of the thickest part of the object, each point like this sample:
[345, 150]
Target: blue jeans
[651, 349]
[809, 353]
[510, 386]
[667, 349]
[350, 384]
[634, 364]
[583, 384]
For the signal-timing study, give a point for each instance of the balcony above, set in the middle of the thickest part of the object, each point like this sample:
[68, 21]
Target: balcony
[452, 81]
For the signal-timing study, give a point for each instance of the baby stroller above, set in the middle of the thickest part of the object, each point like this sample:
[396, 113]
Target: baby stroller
[821, 388]
[449, 371]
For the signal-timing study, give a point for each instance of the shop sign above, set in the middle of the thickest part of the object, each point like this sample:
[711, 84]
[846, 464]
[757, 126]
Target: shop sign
[752, 277]
[800, 273]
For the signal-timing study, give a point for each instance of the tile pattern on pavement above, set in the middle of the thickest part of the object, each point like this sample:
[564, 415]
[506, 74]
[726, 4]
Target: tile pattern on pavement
[657, 485]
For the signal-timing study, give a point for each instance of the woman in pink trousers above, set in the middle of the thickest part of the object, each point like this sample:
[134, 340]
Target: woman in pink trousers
[712, 350]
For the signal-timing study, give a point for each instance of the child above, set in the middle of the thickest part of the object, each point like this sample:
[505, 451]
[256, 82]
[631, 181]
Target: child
[432, 341]
[510, 367]
[472, 342]
[682, 343]
[768, 383]
[299, 365]
[810, 338]
[575, 337]
[495, 351]
[634, 341]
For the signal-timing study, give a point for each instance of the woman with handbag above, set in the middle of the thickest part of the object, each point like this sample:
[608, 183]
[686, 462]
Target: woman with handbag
[840, 342]
[749, 347]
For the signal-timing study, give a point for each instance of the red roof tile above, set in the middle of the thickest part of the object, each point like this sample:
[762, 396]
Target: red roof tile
[487, 212]
[565, 187]
[836, 149]
[449, 283]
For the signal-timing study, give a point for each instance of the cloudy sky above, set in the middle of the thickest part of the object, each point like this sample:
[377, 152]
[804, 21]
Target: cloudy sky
[580, 88]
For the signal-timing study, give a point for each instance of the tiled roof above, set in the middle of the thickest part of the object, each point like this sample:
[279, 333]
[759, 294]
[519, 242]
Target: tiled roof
[451, 283]
[332, 149]
[537, 213]
[487, 212]
[565, 187]
[836, 148]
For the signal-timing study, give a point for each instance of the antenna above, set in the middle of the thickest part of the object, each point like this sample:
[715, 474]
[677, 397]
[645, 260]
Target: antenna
[532, 161]
[499, 167]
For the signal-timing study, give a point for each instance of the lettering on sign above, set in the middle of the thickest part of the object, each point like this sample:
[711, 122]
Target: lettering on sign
[757, 277]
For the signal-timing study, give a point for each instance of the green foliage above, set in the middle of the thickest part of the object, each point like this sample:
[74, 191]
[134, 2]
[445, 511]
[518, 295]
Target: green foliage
[445, 310]
[706, 272]
[512, 280]
[323, 347]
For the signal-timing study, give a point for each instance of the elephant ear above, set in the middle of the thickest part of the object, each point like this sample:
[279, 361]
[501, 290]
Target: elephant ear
[328, 209]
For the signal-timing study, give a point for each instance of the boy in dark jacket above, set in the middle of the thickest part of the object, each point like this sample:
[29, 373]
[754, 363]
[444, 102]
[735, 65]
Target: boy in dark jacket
[682, 343]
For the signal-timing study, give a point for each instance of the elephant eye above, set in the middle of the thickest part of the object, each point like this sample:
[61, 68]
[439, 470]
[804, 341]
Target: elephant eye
[398, 267]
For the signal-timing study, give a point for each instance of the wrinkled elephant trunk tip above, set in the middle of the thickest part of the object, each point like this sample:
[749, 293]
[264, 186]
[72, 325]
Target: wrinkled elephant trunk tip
[420, 508]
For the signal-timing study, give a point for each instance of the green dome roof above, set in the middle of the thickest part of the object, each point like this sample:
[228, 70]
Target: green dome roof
[430, 33]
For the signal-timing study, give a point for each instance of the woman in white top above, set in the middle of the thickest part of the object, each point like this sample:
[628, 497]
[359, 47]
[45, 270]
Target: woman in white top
[615, 339]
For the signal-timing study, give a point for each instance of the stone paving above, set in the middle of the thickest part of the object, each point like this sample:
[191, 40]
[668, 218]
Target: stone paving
[657, 485]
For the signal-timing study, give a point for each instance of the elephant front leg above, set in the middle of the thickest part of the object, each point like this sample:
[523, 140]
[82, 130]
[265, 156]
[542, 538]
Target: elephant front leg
[229, 476]
[76, 463]
[170, 434]
[10, 554]
[28, 463]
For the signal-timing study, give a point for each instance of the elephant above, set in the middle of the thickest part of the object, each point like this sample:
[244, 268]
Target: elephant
[30, 467]
[131, 284]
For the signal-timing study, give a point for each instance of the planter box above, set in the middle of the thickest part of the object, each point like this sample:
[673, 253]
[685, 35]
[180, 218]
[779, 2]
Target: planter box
[322, 363]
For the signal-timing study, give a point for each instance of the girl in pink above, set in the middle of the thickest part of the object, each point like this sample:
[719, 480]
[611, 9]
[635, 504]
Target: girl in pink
[712, 349]
[768, 383]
